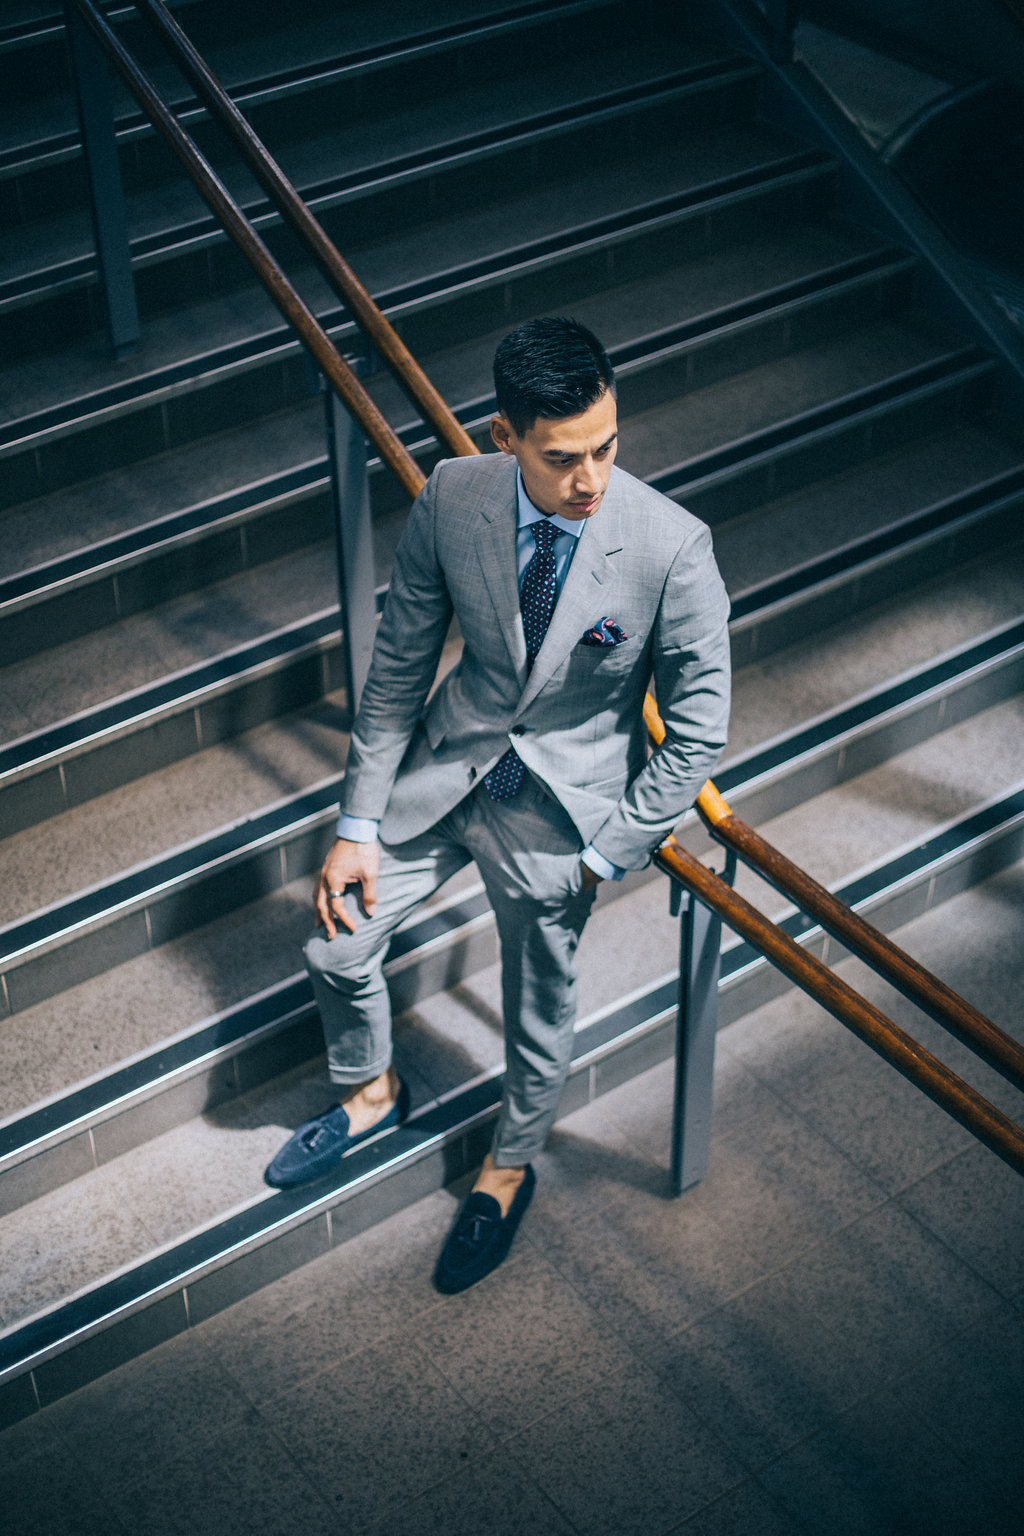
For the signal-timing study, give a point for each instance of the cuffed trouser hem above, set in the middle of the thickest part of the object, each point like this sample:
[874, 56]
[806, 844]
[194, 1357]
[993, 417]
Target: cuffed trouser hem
[354, 1077]
[503, 1159]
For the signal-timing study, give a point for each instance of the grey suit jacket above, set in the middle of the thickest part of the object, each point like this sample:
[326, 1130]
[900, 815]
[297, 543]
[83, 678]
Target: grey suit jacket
[576, 717]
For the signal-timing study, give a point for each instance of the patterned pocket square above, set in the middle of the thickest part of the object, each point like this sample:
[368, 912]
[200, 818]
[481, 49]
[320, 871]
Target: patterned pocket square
[604, 632]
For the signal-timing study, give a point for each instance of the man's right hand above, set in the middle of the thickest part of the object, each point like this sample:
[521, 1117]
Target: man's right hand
[346, 864]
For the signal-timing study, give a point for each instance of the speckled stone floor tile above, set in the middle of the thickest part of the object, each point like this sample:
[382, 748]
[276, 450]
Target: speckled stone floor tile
[847, 1480]
[626, 1456]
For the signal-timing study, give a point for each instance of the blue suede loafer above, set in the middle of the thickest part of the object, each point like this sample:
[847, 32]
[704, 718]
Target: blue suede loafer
[480, 1238]
[320, 1144]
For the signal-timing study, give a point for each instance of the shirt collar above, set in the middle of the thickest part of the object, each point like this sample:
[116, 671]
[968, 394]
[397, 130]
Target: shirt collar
[528, 513]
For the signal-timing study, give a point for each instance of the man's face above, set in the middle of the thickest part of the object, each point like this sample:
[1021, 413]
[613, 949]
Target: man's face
[566, 463]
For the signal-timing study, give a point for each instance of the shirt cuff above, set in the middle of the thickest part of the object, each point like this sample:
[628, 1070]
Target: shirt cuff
[600, 865]
[356, 829]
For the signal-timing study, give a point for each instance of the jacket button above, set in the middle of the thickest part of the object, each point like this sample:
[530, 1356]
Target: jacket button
[518, 730]
[472, 774]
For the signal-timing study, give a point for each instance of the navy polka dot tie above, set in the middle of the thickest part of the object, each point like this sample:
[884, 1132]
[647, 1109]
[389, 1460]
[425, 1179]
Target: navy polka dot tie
[537, 602]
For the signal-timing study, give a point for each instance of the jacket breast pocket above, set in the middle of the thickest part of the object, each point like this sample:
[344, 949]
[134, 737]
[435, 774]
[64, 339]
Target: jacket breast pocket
[609, 660]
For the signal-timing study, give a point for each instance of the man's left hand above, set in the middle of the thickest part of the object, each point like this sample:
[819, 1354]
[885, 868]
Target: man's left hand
[590, 880]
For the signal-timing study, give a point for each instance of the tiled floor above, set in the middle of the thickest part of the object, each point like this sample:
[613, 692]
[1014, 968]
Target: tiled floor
[826, 1336]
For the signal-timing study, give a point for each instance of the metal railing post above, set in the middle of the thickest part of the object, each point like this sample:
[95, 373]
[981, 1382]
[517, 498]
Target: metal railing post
[106, 192]
[350, 495]
[700, 950]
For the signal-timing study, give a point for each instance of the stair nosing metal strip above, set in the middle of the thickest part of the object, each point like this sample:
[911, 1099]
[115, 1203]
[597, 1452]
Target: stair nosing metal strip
[940, 517]
[91, 1102]
[953, 366]
[999, 647]
[209, 1249]
[181, 690]
[125, 549]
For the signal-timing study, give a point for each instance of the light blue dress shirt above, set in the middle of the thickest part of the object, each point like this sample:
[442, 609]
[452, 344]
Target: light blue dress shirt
[358, 829]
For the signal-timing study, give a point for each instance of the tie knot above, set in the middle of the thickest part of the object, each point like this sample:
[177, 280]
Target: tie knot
[544, 533]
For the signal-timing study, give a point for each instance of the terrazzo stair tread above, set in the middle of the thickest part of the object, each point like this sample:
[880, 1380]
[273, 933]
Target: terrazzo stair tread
[360, 151]
[861, 822]
[98, 1025]
[753, 400]
[796, 382]
[700, 292]
[731, 409]
[859, 654]
[286, 57]
[932, 935]
[765, 162]
[217, 787]
[109, 996]
[67, 679]
[227, 782]
[771, 696]
[782, 534]
[42, 383]
[109, 504]
[509, 218]
[793, 680]
[83, 367]
[45, 384]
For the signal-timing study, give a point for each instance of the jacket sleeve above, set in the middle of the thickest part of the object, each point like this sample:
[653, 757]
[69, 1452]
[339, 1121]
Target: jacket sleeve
[406, 653]
[692, 689]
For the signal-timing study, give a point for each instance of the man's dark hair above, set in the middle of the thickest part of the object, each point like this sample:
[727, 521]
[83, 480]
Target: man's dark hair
[549, 368]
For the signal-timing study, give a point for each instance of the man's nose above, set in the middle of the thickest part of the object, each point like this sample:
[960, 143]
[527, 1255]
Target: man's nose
[586, 481]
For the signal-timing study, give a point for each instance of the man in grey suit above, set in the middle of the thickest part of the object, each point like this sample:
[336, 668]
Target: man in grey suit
[573, 585]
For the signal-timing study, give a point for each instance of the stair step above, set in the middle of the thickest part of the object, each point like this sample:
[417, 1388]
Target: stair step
[905, 645]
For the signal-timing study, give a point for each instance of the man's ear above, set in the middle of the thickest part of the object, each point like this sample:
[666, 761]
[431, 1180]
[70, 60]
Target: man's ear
[501, 434]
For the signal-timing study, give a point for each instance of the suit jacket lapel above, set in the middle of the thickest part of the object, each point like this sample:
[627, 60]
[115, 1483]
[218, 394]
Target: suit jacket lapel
[496, 551]
[584, 597]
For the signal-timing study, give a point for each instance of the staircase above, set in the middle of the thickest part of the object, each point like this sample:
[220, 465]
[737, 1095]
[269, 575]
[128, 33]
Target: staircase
[173, 715]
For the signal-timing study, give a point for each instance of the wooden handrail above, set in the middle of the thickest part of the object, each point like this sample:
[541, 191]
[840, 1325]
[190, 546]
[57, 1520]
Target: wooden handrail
[964, 1021]
[340, 376]
[944, 1005]
[923, 1069]
[289, 203]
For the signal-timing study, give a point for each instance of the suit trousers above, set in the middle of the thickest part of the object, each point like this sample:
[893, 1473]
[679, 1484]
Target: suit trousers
[527, 851]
